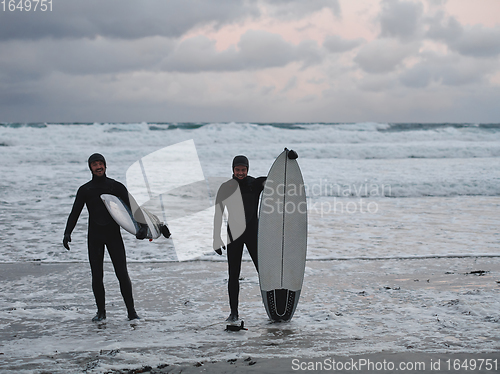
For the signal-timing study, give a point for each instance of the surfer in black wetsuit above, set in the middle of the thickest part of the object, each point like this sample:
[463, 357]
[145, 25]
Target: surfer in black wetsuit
[102, 231]
[240, 196]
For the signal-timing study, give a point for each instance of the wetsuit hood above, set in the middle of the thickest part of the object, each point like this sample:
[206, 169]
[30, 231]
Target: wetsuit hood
[96, 157]
[241, 160]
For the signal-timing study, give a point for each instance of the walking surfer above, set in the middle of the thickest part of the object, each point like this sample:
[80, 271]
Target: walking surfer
[103, 231]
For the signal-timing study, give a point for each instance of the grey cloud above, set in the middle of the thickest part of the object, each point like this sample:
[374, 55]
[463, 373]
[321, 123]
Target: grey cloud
[419, 76]
[383, 55]
[291, 84]
[256, 50]
[400, 19]
[437, 2]
[260, 49]
[377, 83]
[20, 64]
[13, 99]
[476, 41]
[309, 53]
[110, 56]
[122, 18]
[266, 90]
[25, 61]
[31, 60]
[336, 44]
[451, 70]
[443, 29]
[292, 9]
[198, 54]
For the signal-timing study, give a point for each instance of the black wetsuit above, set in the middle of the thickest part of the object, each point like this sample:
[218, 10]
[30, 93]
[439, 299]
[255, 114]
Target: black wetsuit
[251, 189]
[103, 231]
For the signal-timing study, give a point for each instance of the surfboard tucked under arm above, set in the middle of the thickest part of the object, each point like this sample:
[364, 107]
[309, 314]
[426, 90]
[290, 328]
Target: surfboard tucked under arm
[124, 217]
[282, 238]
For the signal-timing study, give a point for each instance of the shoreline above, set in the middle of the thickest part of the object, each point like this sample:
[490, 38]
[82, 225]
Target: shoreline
[248, 259]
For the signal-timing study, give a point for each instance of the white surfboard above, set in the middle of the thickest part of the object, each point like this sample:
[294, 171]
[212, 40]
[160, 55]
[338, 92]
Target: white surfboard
[282, 240]
[123, 216]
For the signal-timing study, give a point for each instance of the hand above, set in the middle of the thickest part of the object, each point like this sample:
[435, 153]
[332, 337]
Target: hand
[165, 231]
[66, 240]
[292, 155]
[219, 246]
[143, 231]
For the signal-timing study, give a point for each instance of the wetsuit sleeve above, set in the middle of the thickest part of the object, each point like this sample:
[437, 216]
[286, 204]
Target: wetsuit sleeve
[259, 184]
[75, 211]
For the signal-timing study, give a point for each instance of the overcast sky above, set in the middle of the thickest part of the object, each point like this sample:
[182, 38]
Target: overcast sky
[252, 61]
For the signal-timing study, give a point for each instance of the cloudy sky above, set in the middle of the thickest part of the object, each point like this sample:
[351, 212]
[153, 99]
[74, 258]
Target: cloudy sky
[251, 60]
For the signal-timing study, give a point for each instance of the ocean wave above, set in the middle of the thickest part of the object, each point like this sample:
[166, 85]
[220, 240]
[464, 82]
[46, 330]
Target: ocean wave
[16, 125]
[344, 126]
[434, 160]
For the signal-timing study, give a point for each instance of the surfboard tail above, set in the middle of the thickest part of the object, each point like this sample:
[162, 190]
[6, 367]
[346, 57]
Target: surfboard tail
[280, 303]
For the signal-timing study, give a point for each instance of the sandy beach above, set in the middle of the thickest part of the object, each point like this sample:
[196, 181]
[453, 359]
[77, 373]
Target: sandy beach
[408, 310]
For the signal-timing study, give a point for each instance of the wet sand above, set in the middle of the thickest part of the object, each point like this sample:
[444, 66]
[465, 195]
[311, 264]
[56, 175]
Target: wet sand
[399, 310]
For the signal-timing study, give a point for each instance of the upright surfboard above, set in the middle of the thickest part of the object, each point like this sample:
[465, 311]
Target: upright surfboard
[123, 216]
[282, 240]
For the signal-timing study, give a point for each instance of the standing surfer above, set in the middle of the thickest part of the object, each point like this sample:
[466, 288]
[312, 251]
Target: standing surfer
[240, 196]
[102, 231]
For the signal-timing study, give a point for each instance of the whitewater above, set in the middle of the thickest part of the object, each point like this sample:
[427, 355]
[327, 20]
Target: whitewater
[371, 187]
